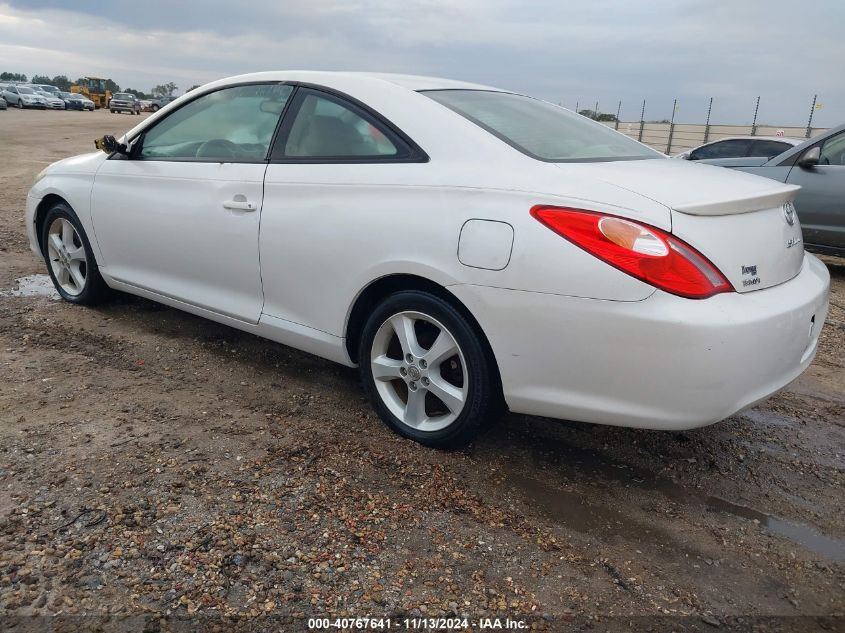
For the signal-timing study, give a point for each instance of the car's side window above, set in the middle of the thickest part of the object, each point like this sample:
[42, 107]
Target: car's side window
[234, 124]
[833, 151]
[768, 148]
[732, 148]
[328, 127]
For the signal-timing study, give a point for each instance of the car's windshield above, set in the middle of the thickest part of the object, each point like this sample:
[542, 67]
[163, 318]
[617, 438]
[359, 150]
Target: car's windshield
[123, 95]
[540, 129]
[25, 91]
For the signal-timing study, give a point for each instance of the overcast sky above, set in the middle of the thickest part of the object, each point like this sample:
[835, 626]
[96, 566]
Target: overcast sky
[566, 52]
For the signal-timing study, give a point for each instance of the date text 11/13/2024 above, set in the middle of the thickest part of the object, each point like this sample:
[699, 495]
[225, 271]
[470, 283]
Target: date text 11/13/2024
[415, 624]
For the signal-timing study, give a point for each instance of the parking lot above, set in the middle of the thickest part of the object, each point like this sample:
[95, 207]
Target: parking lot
[152, 462]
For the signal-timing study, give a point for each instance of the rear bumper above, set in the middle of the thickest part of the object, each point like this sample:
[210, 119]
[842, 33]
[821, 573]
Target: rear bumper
[661, 363]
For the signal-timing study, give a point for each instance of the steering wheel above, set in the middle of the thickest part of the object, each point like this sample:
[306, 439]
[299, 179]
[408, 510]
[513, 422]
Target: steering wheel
[218, 148]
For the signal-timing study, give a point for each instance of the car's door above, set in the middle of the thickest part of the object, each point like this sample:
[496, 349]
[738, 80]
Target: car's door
[180, 216]
[336, 169]
[821, 202]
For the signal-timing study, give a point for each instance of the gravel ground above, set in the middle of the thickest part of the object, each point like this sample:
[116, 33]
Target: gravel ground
[158, 470]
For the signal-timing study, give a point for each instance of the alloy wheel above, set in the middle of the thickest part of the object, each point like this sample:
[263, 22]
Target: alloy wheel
[67, 256]
[419, 371]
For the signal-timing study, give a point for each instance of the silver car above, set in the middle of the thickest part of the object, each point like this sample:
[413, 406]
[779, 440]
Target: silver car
[818, 166]
[23, 97]
[53, 102]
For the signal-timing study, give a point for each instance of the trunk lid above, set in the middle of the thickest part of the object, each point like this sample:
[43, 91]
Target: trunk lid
[739, 221]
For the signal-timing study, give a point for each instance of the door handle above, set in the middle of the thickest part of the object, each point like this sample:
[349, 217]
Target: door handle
[239, 205]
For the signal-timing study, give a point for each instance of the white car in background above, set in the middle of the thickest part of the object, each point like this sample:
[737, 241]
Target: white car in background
[53, 101]
[464, 246]
[741, 147]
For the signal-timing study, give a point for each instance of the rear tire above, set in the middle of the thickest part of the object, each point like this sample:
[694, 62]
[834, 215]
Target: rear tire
[70, 259]
[427, 372]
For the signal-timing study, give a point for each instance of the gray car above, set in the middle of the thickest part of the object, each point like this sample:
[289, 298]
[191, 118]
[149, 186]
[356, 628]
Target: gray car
[818, 165]
[125, 102]
[160, 102]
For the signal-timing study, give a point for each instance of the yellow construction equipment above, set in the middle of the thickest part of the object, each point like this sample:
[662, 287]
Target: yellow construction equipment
[95, 89]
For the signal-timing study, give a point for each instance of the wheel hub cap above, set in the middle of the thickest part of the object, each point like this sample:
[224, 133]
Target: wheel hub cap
[419, 371]
[66, 255]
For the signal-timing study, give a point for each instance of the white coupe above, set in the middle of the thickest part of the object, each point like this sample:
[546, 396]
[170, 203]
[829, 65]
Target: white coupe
[468, 248]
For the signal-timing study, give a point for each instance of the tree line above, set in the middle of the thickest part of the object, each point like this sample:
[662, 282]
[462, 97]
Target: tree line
[62, 82]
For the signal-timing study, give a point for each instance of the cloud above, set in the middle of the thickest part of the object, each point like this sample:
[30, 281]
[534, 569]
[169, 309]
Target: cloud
[602, 51]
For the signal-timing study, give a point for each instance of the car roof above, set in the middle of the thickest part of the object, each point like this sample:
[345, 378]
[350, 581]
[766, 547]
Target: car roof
[411, 82]
[786, 139]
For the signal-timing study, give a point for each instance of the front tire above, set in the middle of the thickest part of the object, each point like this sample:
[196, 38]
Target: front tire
[70, 259]
[426, 370]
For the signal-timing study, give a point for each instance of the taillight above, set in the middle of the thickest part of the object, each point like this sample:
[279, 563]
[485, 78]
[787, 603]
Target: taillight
[645, 252]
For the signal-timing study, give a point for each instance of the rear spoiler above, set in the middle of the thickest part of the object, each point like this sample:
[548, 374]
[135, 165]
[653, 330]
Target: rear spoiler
[771, 197]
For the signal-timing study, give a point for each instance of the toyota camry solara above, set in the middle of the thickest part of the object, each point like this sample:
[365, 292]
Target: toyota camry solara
[468, 248]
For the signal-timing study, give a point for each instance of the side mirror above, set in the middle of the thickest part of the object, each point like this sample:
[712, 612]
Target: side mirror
[810, 158]
[109, 145]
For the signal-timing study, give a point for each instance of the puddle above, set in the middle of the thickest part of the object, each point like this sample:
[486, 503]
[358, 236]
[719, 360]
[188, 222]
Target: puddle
[32, 286]
[572, 509]
[831, 548]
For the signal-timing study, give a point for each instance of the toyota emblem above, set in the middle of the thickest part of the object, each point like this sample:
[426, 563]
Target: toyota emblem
[789, 213]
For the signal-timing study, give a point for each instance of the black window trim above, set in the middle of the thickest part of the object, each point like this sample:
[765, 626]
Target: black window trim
[415, 154]
[409, 151]
[137, 147]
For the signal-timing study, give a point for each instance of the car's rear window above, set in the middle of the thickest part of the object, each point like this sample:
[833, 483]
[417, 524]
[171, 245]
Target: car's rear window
[541, 129]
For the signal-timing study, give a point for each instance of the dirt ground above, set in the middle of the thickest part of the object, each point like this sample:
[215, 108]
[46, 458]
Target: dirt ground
[153, 464]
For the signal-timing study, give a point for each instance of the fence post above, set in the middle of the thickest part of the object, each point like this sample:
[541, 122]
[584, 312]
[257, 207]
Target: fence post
[596, 112]
[642, 122]
[576, 107]
[707, 125]
[810, 122]
[618, 111]
[671, 127]
[754, 124]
